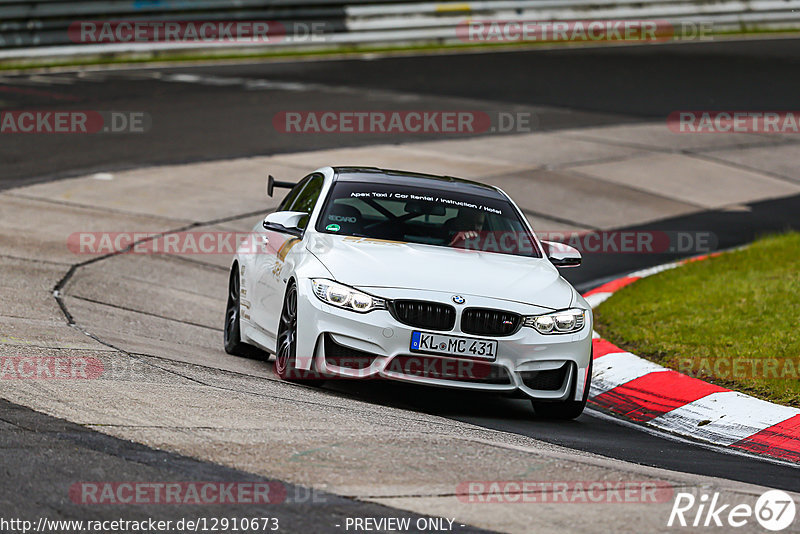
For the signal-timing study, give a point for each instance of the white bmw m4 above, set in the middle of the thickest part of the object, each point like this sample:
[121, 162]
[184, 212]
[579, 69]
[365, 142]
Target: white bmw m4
[370, 273]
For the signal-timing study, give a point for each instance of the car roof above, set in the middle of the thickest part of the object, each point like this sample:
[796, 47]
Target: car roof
[414, 179]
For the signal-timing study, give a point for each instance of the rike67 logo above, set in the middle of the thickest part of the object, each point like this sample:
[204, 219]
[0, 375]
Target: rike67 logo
[774, 510]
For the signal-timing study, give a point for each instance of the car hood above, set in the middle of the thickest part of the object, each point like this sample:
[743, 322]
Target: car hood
[369, 263]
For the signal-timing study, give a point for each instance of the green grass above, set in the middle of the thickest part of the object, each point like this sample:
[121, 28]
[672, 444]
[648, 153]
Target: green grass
[268, 53]
[298, 53]
[742, 306]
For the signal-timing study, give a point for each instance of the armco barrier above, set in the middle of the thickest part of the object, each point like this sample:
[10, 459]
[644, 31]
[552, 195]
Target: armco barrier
[42, 27]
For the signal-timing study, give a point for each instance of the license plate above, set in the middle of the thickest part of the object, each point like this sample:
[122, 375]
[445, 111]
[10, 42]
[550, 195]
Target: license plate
[453, 345]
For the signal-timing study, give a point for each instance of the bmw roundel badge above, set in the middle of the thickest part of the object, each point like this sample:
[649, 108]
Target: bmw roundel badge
[458, 299]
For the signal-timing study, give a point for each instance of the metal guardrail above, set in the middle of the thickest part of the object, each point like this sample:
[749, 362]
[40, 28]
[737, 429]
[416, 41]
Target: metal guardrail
[723, 15]
[28, 27]
[47, 22]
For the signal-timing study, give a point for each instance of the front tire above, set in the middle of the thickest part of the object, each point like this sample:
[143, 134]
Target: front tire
[565, 410]
[286, 351]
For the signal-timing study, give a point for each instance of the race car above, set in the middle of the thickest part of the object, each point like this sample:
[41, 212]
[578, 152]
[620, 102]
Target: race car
[366, 273]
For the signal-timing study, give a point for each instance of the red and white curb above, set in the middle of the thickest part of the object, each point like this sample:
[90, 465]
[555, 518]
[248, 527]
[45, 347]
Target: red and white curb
[645, 392]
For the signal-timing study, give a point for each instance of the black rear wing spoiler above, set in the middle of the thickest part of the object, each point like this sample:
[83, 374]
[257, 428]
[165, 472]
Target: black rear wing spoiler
[272, 183]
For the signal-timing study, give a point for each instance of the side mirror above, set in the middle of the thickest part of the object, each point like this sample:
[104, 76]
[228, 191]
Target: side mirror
[562, 255]
[285, 221]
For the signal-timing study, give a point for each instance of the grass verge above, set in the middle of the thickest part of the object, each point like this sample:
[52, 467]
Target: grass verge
[733, 320]
[344, 51]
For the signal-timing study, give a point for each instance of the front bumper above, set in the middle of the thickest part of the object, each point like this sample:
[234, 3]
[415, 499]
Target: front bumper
[345, 344]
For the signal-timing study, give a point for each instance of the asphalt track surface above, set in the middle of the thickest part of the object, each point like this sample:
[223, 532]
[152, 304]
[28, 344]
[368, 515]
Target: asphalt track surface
[565, 88]
[46, 449]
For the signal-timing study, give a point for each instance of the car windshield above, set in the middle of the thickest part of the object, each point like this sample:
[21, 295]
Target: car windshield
[428, 216]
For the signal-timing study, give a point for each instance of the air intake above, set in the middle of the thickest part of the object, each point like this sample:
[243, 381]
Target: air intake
[551, 380]
[487, 322]
[423, 314]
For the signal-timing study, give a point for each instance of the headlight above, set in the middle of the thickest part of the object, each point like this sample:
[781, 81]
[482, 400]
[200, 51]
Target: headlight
[346, 297]
[560, 322]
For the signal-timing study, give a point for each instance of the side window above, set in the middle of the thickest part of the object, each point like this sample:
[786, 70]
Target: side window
[292, 195]
[307, 198]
